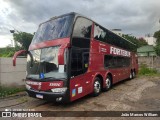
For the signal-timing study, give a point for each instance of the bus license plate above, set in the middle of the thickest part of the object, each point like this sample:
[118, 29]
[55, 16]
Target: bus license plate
[39, 96]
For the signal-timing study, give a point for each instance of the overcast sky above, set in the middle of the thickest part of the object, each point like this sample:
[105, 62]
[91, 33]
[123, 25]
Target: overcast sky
[136, 17]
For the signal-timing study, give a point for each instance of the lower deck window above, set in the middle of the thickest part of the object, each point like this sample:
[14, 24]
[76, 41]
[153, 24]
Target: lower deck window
[116, 61]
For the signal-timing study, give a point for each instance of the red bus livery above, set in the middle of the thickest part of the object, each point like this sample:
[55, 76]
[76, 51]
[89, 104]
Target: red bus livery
[72, 56]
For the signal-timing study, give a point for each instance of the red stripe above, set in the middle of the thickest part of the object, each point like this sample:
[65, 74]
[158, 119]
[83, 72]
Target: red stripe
[49, 43]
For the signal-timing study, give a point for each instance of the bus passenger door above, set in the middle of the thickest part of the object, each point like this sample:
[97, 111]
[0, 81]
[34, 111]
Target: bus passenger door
[80, 44]
[79, 83]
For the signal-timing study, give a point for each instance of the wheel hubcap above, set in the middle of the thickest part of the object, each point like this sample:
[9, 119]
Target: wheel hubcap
[108, 83]
[133, 74]
[130, 76]
[97, 87]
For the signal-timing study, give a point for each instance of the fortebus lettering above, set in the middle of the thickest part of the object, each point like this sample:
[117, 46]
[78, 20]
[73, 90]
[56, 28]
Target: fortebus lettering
[117, 51]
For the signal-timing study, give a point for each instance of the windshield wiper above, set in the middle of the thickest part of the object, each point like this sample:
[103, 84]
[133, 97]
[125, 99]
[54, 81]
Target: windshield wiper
[49, 78]
[31, 78]
[53, 78]
[46, 78]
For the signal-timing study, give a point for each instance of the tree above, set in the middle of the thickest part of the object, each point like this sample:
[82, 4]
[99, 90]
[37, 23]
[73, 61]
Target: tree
[142, 42]
[138, 42]
[157, 47]
[22, 40]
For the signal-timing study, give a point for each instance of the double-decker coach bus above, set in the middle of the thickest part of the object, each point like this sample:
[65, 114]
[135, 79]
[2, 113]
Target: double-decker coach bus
[71, 56]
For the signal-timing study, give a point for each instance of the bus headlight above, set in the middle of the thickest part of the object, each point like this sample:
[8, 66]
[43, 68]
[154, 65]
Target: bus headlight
[59, 90]
[28, 87]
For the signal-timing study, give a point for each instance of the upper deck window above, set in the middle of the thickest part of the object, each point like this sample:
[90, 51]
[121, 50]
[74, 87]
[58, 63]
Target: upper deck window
[53, 29]
[104, 35]
[82, 28]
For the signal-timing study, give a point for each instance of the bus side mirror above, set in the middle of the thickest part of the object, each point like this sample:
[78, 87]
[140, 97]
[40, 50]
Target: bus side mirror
[17, 54]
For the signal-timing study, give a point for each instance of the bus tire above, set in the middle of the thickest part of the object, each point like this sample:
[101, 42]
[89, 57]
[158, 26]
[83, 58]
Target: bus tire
[97, 86]
[131, 75]
[134, 74]
[108, 83]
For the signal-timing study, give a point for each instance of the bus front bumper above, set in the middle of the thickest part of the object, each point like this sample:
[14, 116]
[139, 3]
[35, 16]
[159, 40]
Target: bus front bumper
[49, 96]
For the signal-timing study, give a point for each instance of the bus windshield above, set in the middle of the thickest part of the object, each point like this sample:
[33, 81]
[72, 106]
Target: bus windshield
[53, 29]
[43, 64]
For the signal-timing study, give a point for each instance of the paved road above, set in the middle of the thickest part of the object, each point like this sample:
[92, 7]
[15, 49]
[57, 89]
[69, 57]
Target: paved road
[139, 94]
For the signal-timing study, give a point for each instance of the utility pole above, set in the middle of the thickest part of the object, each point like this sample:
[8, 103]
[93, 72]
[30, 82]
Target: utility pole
[12, 41]
[13, 31]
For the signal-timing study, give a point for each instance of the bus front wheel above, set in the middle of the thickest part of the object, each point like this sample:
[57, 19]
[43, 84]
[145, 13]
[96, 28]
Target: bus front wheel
[96, 87]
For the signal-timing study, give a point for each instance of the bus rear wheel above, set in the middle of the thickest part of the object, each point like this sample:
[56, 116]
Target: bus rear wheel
[108, 83]
[96, 87]
[132, 74]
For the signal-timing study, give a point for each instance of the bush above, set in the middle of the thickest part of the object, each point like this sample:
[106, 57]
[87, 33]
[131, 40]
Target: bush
[5, 91]
[7, 52]
[144, 70]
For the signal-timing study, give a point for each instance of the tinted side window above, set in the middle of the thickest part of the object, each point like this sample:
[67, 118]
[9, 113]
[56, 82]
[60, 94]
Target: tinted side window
[79, 61]
[100, 33]
[81, 42]
[114, 39]
[109, 37]
[82, 28]
[80, 46]
[116, 61]
[108, 61]
[105, 35]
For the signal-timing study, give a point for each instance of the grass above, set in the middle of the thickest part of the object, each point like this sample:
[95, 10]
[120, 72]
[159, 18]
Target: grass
[144, 70]
[6, 91]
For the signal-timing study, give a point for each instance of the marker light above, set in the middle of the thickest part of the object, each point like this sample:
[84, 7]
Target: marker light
[28, 87]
